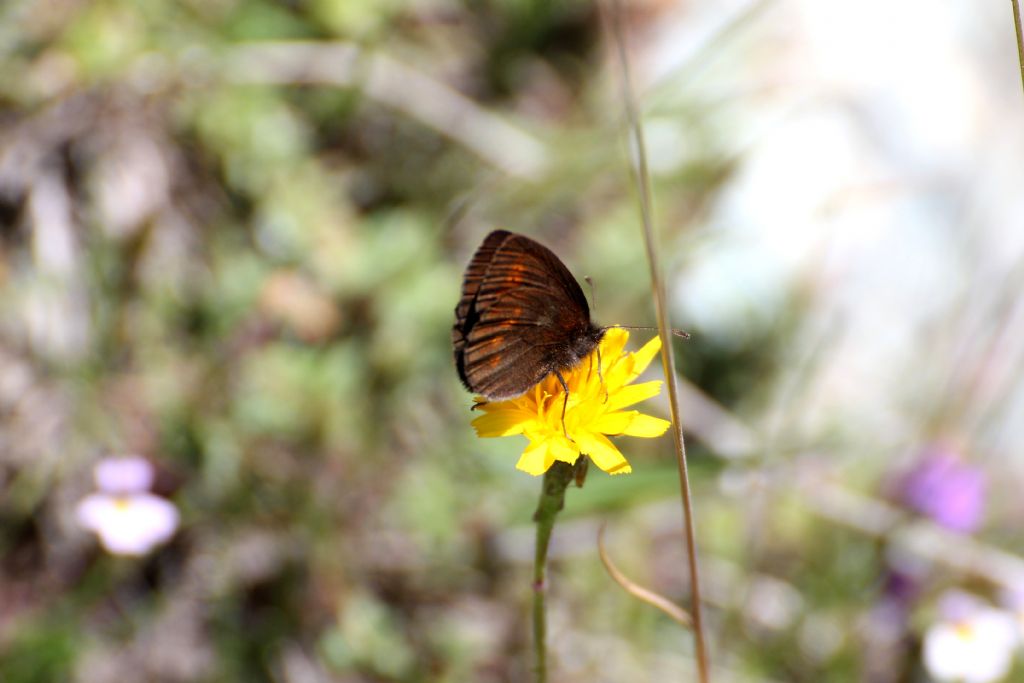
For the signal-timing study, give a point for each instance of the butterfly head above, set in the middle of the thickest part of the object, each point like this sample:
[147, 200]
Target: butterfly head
[584, 343]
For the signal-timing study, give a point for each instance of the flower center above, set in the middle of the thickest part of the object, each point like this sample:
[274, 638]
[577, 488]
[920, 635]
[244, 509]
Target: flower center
[965, 631]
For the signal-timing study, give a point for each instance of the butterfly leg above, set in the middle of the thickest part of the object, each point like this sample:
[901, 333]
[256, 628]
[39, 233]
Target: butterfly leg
[600, 376]
[565, 402]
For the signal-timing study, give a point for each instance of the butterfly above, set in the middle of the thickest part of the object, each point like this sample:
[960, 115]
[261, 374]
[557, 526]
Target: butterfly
[522, 316]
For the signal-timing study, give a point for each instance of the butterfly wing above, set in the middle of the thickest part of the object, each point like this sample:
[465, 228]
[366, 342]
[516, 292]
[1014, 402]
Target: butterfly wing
[519, 311]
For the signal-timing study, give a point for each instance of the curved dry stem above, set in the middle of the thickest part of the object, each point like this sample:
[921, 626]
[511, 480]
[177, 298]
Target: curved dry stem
[656, 600]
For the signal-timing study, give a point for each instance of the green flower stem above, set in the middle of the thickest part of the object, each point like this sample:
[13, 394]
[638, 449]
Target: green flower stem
[552, 499]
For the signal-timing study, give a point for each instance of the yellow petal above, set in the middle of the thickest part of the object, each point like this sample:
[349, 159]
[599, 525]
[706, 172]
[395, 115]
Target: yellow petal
[634, 393]
[535, 459]
[563, 449]
[643, 357]
[613, 423]
[646, 426]
[623, 468]
[604, 454]
[501, 423]
[618, 375]
[614, 341]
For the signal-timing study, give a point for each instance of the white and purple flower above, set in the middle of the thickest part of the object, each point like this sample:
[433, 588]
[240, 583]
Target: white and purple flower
[124, 514]
[972, 642]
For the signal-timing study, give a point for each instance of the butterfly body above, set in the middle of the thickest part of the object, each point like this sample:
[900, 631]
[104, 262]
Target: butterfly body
[521, 317]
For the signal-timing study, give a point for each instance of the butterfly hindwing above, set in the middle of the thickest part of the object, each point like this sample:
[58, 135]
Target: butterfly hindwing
[519, 314]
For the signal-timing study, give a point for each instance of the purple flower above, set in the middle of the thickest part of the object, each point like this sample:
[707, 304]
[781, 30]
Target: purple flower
[946, 489]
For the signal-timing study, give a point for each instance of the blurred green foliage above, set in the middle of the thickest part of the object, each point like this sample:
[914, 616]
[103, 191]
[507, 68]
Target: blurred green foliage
[252, 283]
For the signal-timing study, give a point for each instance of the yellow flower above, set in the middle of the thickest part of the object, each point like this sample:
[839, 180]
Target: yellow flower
[594, 412]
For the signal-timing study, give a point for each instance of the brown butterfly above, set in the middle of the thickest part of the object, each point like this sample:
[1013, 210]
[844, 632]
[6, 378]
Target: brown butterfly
[522, 316]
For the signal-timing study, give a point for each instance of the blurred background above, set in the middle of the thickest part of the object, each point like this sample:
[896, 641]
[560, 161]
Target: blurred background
[232, 234]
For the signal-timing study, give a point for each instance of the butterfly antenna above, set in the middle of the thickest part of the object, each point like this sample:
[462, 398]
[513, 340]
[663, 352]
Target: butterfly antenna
[593, 291]
[682, 334]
